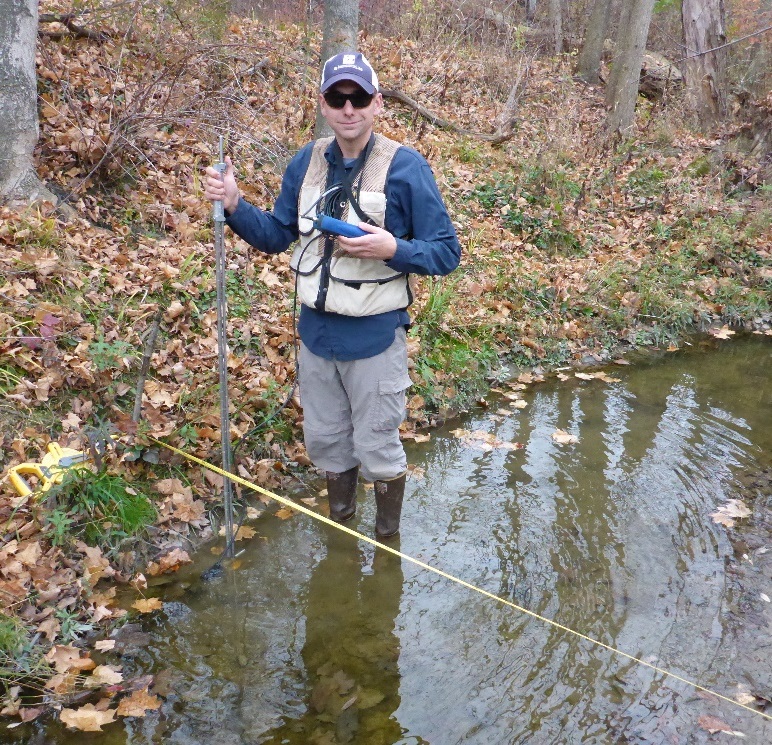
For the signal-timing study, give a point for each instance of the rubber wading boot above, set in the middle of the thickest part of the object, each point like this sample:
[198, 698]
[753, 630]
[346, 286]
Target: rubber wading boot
[342, 494]
[388, 505]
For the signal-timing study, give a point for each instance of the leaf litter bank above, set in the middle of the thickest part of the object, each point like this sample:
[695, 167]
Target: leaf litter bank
[573, 253]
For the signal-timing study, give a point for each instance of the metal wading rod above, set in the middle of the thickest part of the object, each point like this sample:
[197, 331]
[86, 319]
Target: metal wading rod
[378, 544]
[218, 214]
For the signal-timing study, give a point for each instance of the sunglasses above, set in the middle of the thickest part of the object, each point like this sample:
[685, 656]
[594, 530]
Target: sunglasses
[360, 99]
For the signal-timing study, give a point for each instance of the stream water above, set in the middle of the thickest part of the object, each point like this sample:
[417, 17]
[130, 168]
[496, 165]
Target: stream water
[316, 640]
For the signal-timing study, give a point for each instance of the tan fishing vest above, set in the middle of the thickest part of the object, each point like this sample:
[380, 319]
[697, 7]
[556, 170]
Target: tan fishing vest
[355, 287]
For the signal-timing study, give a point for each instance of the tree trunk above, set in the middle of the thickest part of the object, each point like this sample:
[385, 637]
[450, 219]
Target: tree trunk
[622, 89]
[705, 74]
[530, 10]
[18, 102]
[556, 23]
[588, 65]
[341, 26]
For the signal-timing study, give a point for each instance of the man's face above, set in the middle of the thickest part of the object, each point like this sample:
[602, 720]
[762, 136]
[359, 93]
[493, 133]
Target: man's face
[352, 126]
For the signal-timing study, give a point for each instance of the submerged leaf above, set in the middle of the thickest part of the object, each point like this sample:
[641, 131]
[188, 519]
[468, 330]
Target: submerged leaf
[146, 605]
[729, 512]
[88, 718]
[138, 703]
[561, 437]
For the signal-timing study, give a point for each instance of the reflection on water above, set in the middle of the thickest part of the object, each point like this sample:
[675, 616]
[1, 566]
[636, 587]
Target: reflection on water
[350, 651]
[318, 640]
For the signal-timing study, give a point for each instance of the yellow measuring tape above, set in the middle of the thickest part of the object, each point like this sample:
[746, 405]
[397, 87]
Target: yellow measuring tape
[300, 508]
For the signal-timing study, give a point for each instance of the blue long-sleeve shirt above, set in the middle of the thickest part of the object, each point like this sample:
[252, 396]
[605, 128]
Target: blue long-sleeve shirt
[415, 215]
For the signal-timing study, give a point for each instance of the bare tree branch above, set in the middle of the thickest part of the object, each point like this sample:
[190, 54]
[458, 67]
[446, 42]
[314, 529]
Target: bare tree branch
[728, 44]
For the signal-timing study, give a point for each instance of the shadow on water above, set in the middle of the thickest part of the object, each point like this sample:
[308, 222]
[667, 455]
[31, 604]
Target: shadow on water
[320, 641]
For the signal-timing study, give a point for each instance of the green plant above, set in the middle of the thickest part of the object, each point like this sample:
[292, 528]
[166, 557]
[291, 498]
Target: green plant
[110, 355]
[441, 294]
[533, 208]
[241, 291]
[101, 508]
[9, 378]
[21, 659]
[452, 366]
[38, 233]
[12, 635]
[60, 522]
[71, 627]
[469, 151]
[187, 434]
[452, 370]
[646, 181]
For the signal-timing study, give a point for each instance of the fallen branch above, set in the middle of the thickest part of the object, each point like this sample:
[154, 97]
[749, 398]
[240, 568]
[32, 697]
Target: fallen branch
[148, 353]
[499, 136]
[506, 122]
[68, 20]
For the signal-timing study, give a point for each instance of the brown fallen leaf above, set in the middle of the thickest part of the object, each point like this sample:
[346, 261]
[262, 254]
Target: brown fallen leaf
[66, 658]
[130, 685]
[103, 675]
[723, 333]
[734, 509]
[168, 563]
[50, 627]
[416, 472]
[285, 513]
[138, 703]
[561, 437]
[485, 441]
[606, 378]
[28, 713]
[245, 532]
[62, 683]
[88, 718]
[720, 519]
[11, 704]
[714, 724]
[147, 605]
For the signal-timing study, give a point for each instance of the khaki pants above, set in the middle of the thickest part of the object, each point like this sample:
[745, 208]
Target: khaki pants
[352, 411]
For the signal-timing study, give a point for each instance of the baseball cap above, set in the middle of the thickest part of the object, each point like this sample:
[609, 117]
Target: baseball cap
[349, 66]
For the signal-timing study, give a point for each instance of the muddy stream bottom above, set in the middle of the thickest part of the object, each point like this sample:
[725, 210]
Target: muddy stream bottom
[317, 639]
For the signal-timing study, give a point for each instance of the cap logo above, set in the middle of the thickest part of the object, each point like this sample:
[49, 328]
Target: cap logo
[348, 66]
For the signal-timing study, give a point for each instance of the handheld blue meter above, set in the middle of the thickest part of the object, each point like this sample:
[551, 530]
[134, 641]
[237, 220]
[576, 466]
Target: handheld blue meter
[327, 224]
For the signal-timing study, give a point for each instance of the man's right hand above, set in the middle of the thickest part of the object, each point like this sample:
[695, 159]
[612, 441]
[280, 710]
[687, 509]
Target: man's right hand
[223, 187]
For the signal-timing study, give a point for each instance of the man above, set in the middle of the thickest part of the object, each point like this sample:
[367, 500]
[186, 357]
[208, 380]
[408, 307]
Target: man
[353, 291]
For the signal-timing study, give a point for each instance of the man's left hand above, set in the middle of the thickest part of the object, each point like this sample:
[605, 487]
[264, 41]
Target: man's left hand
[377, 244]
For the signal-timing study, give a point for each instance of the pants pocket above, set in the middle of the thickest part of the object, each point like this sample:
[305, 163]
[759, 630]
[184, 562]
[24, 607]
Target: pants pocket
[389, 406]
